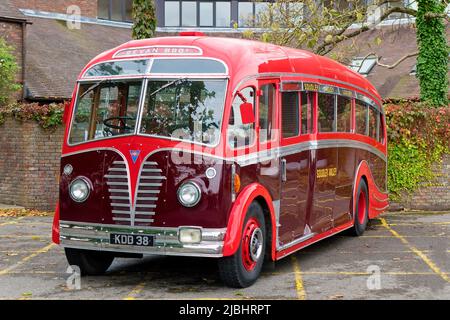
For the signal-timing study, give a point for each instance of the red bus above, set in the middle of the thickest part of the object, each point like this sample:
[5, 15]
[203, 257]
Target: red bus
[215, 147]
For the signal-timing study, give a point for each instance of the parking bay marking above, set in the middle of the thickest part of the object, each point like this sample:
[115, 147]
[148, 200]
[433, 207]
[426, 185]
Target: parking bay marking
[299, 287]
[11, 222]
[29, 257]
[419, 253]
[135, 292]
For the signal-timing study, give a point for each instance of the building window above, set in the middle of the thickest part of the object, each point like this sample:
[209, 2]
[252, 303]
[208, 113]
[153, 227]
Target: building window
[197, 13]
[248, 12]
[116, 10]
[223, 14]
[206, 14]
[188, 13]
[363, 65]
[172, 13]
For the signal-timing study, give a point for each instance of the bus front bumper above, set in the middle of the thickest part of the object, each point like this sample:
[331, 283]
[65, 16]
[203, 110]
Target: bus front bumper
[90, 236]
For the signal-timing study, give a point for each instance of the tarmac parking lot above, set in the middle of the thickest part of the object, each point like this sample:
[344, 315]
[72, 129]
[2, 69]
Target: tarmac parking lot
[401, 256]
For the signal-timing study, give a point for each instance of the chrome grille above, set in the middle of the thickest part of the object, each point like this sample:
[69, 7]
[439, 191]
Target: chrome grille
[119, 193]
[148, 188]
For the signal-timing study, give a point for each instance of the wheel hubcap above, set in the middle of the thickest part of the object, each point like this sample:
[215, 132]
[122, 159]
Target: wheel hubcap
[252, 244]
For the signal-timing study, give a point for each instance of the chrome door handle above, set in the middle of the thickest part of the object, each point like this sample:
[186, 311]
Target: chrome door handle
[283, 170]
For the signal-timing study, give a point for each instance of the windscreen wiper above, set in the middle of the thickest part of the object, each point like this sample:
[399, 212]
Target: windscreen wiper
[95, 85]
[171, 83]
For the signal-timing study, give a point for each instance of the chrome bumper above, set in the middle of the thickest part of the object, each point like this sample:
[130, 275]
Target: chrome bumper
[91, 236]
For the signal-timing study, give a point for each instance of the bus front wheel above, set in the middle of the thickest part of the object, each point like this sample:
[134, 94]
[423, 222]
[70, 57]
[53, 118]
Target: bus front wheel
[361, 214]
[244, 267]
[90, 262]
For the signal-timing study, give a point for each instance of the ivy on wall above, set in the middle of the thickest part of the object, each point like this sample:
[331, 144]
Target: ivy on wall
[144, 18]
[8, 70]
[49, 116]
[432, 62]
[418, 137]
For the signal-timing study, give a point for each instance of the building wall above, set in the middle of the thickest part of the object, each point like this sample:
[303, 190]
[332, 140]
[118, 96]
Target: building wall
[29, 164]
[12, 32]
[88, 7]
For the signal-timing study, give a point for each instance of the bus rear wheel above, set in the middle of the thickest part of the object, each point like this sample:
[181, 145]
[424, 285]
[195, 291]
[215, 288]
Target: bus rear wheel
[90, 262]
[243, 268]
[361, 214]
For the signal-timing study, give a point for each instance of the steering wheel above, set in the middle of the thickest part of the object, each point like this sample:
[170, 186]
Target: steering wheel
[122, 120]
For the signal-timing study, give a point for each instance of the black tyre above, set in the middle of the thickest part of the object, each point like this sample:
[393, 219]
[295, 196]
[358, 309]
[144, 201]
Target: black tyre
[361, 214]
[244, 267]
[89, 262]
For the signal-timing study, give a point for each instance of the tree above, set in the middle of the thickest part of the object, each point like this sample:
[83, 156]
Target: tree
[144, 18]
[8, 71]
[320, 25]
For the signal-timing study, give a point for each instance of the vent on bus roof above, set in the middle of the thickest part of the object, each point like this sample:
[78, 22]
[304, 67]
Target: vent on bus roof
[191, 34]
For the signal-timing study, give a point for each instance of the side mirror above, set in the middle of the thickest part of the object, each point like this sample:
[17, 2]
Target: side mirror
[247, 113]
[66, 112]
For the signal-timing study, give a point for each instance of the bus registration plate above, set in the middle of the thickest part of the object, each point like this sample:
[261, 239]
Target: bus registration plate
[131, 239]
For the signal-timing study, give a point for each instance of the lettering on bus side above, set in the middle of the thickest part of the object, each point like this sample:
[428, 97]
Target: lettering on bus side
[309, 86]
[327, 172]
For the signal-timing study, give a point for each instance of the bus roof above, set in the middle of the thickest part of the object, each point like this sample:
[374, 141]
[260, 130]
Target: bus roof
[243, 58]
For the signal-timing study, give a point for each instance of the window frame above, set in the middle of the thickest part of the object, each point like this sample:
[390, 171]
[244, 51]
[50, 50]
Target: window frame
[274, 138]
[299, 115]
[123, 11]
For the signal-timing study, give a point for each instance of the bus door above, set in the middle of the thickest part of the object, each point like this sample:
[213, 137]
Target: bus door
[295, 200]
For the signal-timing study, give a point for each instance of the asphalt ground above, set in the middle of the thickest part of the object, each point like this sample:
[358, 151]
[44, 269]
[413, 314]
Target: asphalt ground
[401, 256]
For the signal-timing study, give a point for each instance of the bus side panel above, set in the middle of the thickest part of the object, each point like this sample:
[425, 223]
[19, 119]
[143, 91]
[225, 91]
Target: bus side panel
[344, 187]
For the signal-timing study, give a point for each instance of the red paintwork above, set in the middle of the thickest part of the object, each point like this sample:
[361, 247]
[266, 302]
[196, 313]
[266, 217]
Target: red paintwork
[237, 216]
[55, 226]
[250, 227]
[243, 58]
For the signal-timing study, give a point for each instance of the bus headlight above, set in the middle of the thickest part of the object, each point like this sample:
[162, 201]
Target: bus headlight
[189, 194]
[79, 189]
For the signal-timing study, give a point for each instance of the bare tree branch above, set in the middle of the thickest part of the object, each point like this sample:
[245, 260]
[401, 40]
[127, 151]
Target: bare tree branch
[391, 66]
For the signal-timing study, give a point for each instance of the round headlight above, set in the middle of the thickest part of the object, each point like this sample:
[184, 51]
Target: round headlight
[79, 190]
[189, 194]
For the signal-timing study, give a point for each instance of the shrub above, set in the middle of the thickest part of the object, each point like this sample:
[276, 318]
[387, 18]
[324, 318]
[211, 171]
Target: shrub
[8, 71]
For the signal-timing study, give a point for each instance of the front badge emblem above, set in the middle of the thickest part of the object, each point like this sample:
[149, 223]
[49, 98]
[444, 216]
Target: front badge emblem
[135, 155]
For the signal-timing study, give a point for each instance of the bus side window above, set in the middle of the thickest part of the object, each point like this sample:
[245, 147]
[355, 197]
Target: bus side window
[381, 128]
[327, 121]
[373, 122]
[307, 112]
[361, 114]
[289, 114]
[344, 114]
[267, 112]
[239, 134]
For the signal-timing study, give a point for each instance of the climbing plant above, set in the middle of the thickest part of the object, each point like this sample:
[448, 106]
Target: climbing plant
[432, 62]
[144, 17]
[8, 71]
[418, 137]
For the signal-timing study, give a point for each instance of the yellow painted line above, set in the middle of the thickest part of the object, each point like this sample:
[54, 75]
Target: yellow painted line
[11, 222]
[299, 287]
[29, 257]
[135, 292]
[419, 253]
[393, 236]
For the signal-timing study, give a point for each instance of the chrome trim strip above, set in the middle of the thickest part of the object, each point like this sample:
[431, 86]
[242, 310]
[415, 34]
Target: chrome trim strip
[297, 241]
[97, 237]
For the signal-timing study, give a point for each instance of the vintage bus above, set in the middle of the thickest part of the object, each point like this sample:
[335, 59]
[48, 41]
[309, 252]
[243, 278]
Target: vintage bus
[216, 147]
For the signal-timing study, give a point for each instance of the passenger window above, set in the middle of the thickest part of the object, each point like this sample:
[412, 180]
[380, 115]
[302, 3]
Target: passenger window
[373, 122]
[290, 116]
[267, 112]
[381, 129]
[239, 134]
[361, 117]
[344, 114]
[326, 112]
[307, 113]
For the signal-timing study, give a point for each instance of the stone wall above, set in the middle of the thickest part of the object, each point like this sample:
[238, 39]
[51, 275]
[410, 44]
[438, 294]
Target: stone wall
[29, 164]
[30, 160]
[432, 196]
